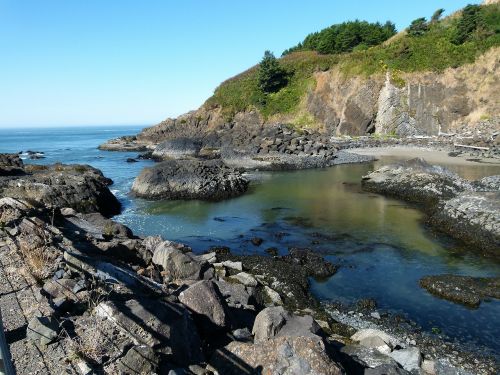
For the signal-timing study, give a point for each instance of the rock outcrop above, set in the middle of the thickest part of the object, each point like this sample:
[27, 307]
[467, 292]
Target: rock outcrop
[81, 187]
[466, 210]
[189, 179]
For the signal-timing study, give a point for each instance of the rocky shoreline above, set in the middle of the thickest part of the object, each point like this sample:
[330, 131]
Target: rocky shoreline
[104, 300]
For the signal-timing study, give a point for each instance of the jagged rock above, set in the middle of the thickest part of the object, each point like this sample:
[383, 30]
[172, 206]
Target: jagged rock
[416, 181]
[165, 327]
[206, 302]
[189, 179]
[13, 209]
[244, 278]
[273, 296]
[375, 342]
[43, 330]
[410, 358]
[11, 165]
[280, 355]
[140, 359]
[235, 294]
[466, 290]
[473, 217]
[367, 357]
[77, 186]
[175, 263]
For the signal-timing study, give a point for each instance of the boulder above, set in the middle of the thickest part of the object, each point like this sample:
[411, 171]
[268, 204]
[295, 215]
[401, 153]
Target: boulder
[386, 370]
[314, 264]
[189, 179]
[235, 294]
[207, 303]
[268, 323]
[176, 264]
[280, 355]
[244, 278]
[375, 342]
[367, 357]
[367, 333]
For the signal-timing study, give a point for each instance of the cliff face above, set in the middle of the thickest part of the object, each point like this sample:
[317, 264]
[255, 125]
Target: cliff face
[409, 104]
[424, 103]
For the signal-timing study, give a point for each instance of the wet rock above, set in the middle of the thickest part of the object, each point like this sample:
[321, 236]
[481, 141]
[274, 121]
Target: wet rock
[312, 262]
[140, 359]
[469, 291]
[189, 179]
[272, 251]
[416, 181]
[131, 160]
[43, 330]
[176, 264]
[207, 303]
[280, 355]
[256, 241]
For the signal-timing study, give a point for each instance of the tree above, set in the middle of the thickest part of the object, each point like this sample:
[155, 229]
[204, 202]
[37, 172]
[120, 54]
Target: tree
[437, 15]
[272, 76]
[467, 24]
[418, 27]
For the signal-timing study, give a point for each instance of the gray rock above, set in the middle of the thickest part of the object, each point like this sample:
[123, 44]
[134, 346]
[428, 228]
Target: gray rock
[235, 294]
[206, 302]
[168, 328]
[175, 263]
[376, 342]
[296, 326]
[363, 334]
[140, 359]
[410, 358]
[43, 330]
[268, 323]
[242, 334]
[279, 355]
[386, 370]
[367, 357]
[244, 278]
[273, 296]
[189, 179]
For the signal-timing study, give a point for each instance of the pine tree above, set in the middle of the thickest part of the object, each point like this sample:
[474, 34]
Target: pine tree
[467, 24]
[418, 27]
[437, 15]
[272, 76]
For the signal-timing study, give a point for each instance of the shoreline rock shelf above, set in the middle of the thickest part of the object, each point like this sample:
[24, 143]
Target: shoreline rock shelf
[466, 210]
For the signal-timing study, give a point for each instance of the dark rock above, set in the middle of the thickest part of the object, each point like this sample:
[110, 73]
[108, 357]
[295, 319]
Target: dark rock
[177, 148]
[272, 251]
[11, 165]
[140, 359]
[386, 370]
[314, 263]
[207, 303]
[131, 160]
[256, 241]
[42, 330]
[189, 179]
[466, 290]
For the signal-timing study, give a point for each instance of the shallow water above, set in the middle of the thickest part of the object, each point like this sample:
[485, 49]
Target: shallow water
[382, 244]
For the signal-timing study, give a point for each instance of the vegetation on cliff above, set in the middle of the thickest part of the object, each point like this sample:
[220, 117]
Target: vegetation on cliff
[439, 44]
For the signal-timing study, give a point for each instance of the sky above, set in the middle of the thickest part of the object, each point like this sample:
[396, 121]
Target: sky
[119, 62]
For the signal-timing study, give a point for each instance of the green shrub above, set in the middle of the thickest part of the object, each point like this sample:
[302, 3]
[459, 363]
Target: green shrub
[272, 76]
[418, 27]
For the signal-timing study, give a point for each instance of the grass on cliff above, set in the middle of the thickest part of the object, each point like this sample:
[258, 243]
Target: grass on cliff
[432, 51]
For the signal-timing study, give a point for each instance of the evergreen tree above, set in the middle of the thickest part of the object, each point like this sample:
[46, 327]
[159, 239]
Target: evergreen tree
[467, 24]
[272, 76]
[437, 15]
[418, 27]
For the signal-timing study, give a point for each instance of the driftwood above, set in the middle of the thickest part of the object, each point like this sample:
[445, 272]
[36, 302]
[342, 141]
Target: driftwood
[474, 147]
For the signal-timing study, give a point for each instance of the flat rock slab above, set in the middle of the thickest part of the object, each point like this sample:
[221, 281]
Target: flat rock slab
[466, 290]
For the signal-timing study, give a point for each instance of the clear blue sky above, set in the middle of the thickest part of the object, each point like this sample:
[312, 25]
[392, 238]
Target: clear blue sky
[76, 62]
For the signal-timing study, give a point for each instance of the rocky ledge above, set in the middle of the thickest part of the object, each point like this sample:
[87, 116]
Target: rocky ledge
[467, 210]
[81, 294]
[189, 179]
[81, 187]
